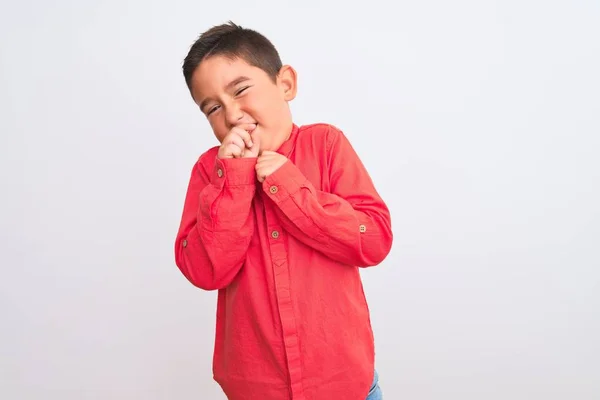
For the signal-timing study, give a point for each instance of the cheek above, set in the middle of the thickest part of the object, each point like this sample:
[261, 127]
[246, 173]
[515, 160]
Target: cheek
[218, 128]
[260, 105]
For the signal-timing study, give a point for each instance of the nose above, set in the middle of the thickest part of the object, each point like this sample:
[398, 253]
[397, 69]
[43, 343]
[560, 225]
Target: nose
[233, 114]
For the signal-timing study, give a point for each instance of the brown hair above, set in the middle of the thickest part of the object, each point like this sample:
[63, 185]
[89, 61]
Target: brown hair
[232, 41]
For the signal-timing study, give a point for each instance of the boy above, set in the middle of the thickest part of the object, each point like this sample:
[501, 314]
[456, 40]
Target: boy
[279, 219]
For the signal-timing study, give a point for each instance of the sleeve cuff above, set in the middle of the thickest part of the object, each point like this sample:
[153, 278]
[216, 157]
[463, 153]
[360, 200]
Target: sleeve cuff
[285, 182]
[234, 172]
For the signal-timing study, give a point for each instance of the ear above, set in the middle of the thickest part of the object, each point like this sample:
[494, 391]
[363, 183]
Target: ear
[287, 81]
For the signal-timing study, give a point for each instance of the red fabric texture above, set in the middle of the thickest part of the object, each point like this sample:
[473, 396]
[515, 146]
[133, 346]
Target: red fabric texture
[292, 319]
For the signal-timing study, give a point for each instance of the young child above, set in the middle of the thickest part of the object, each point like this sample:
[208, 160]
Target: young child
[278, 218]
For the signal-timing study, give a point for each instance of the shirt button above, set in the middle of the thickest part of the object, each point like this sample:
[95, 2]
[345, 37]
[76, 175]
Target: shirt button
[362, 228]
[273, 189]
[274, 234]
[184, 243]
[220, 172]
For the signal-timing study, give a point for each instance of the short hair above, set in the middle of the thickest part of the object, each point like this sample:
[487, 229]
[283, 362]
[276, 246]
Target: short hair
[233, 41]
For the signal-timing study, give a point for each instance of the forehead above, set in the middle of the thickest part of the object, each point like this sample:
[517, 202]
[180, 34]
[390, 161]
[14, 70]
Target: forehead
[216, 72]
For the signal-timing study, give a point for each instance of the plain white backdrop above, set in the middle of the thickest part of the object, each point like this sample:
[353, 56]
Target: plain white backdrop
[478, 120]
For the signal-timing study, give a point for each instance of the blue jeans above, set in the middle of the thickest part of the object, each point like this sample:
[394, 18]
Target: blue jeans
[375, 392]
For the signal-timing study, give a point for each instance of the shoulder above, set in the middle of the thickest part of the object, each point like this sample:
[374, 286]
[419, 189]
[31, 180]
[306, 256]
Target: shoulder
[319, 129]
[206, 161]
[321, 132]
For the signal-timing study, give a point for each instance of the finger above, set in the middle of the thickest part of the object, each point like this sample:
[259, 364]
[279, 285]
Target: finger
[265, 170]
[267, 155]
[261, 177]
[253, 152]
[235, 150]
[256, 141]
[247, 127]
[263, 163]
[235, 140]
[243, 131]
[270, 155]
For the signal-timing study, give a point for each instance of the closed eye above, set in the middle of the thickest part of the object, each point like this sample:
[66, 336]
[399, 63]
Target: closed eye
[212, 110]
[242, 90]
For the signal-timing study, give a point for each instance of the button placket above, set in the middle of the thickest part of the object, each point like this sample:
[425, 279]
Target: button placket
[287, 316]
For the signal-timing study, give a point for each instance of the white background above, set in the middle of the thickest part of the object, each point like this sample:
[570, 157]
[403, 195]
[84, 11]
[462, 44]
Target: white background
[478, 120]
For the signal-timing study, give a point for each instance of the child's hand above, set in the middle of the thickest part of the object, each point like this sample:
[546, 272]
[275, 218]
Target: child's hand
[238, 143]
[268, 162]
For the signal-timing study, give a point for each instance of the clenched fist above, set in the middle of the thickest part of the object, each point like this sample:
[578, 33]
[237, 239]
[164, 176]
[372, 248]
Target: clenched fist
[268, 162]
[240, 143]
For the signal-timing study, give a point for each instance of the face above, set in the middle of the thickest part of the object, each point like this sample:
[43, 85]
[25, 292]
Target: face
[232, 92]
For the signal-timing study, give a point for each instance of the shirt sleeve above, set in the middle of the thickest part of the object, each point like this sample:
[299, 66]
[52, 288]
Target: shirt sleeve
[350, 223]
[217, 222]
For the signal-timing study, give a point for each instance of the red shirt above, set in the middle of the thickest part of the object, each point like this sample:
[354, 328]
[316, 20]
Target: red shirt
[292, 319]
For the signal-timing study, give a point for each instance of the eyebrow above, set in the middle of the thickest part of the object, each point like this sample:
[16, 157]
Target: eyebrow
[229, 86]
